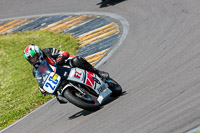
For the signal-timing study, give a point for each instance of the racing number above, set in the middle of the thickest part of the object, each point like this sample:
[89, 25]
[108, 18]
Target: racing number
[77, 74]
[52, 83]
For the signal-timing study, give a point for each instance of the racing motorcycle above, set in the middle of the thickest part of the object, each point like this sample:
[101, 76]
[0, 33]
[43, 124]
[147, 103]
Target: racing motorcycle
[77, 86]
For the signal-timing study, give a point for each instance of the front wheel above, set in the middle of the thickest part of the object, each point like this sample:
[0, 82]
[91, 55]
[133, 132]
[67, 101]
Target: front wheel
[84, 101]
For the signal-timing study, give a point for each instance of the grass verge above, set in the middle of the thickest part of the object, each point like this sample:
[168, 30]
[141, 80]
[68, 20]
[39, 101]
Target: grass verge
[19, 93]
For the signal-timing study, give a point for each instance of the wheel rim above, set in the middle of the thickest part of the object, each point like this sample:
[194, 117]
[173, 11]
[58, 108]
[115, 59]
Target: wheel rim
[85, 98]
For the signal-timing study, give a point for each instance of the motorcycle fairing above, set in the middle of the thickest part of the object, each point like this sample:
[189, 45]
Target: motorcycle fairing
[91, 80]
[86, 78]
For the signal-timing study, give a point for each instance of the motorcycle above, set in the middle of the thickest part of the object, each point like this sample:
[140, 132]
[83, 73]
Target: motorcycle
[82, 88]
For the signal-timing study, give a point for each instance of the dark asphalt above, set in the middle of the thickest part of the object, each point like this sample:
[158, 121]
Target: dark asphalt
[158, 65]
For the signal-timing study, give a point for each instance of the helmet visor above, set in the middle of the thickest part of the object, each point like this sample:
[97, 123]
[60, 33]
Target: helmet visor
[34, 59]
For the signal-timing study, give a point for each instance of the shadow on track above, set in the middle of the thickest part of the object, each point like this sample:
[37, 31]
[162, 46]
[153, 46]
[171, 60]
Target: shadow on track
[106, 3]
[85, 112]
[81, 113]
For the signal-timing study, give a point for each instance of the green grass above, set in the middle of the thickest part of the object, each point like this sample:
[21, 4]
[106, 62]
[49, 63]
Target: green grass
[19, 93]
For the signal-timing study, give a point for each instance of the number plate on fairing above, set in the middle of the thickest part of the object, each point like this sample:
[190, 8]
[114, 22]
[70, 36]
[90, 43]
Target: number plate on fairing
[52, 82]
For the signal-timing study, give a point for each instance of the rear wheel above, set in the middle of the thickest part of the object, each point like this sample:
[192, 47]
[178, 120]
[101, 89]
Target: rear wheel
[114, 87]
[84, 101]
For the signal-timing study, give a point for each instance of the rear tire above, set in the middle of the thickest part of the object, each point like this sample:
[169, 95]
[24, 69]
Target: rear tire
[71, 95]
[114, 87]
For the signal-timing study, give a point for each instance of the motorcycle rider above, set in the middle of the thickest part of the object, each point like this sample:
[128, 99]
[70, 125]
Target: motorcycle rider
[34, 55]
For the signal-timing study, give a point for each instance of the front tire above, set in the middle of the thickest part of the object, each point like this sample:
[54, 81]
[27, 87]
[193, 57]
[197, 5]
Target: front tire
[73, 96]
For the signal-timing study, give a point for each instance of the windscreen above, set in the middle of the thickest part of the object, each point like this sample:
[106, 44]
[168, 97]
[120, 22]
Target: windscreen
[42, 73]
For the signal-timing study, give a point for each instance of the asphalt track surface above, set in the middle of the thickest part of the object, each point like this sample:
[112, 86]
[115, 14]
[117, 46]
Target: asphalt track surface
[158, 65]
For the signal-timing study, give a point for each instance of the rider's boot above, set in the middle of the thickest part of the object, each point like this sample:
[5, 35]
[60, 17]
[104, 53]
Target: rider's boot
[101, 74]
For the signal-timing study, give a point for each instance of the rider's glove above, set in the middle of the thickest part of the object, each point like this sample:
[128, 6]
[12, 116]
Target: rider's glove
[61, 58]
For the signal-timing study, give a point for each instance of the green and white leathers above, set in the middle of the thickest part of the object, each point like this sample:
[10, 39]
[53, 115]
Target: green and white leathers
[33, 54]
